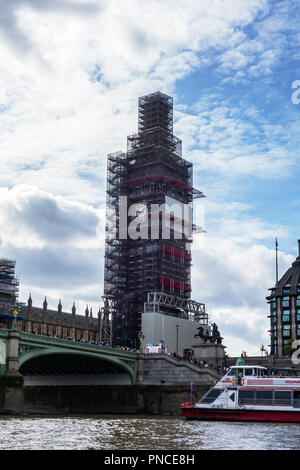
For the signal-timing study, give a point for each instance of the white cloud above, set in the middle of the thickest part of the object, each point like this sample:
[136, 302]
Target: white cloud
[232, 141]
[79, 78]
[233, 281]
[31, 218]
[58, 245]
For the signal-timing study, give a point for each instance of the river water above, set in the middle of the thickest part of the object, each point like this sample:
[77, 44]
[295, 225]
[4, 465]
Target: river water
[142, 433]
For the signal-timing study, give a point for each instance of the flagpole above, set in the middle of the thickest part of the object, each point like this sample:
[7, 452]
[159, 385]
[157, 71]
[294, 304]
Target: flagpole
[276, 244]
[194, 394]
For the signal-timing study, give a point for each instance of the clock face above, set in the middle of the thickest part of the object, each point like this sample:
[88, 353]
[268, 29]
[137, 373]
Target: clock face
[140, 211]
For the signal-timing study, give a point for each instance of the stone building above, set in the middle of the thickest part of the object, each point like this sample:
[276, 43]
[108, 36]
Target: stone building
[58, 323]
[42, 320]
[284, 301]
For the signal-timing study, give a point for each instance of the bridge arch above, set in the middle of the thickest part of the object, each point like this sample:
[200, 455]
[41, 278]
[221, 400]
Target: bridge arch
[38, 366]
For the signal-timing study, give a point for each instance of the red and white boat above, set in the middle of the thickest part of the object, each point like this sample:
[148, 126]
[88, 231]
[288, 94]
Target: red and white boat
[249, 393]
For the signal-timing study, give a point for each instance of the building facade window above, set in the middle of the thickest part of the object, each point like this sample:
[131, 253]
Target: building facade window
[286, 301]
[286, 316]
[286, 331]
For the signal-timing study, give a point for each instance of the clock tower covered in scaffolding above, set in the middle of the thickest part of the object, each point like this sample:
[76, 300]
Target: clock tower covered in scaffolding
[149, 227]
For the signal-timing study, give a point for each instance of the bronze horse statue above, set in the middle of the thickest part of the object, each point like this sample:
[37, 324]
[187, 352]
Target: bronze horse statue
[215, 337]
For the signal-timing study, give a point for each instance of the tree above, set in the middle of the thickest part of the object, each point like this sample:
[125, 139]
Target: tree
[288, 348]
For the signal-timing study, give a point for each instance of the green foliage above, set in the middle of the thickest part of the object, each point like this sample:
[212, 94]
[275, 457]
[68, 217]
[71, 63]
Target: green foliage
[288, 348]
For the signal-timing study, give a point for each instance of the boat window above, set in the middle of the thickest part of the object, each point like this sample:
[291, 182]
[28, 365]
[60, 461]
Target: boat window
[246, 396]
[248, 371]
[211, 396]
[232, 373]
[235, 373]
[283, 398]
[264, 397]
[297, 398]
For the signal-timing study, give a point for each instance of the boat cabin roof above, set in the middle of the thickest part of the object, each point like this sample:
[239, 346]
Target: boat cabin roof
[247, 367]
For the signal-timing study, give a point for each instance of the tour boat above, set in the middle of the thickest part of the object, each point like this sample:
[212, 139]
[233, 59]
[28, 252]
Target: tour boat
[249, 393]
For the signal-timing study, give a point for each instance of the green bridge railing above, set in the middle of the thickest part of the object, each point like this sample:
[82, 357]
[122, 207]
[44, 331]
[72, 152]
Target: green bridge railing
[32, 345]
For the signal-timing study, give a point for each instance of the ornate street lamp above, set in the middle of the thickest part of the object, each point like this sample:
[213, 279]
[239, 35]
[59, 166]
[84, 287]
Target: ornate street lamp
[141, 337]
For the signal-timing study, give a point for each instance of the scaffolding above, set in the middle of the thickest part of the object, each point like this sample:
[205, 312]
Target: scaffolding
[161, 302]
[155, 109]
[107, 313]
[149, 172]
[195, 192]
[114, 283]
[9, 286]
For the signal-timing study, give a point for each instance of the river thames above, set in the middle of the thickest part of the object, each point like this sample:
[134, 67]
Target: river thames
[142, 433]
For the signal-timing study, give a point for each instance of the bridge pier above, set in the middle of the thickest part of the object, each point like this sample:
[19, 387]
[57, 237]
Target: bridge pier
[12, 353]
[11, 382]
[140, 369]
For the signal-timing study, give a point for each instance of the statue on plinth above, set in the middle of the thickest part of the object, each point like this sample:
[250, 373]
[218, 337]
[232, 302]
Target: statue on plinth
[213, 338]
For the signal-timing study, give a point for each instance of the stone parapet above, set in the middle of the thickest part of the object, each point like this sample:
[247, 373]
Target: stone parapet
[156, 369]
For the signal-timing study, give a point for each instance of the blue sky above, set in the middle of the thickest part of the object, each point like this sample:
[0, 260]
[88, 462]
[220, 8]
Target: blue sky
[71, 72]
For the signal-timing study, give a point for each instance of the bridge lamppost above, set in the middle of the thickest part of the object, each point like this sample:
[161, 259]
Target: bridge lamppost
[141, 337]
[15, 325]
[177, 328]
[16, 309]
[263, 350]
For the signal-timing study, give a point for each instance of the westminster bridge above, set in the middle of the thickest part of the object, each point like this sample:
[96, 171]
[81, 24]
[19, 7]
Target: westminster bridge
[45, 375]
[45, 360]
